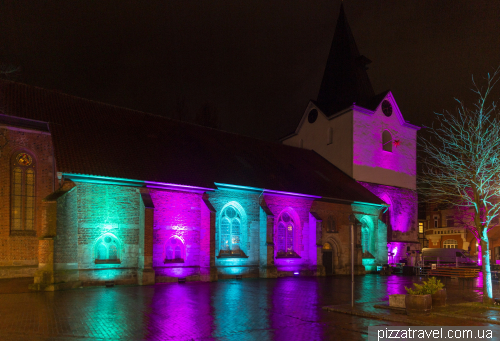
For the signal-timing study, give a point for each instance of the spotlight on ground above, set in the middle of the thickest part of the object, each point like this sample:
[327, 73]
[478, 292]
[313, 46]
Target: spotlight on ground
[296, 273]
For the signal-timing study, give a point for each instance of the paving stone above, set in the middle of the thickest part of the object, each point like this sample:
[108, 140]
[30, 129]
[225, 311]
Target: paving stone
[250, 309]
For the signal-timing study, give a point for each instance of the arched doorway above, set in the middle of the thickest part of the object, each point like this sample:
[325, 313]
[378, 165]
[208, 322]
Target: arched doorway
[328, 258]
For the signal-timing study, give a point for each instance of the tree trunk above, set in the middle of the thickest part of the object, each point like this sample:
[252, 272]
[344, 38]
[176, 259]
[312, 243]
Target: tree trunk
[485, 254]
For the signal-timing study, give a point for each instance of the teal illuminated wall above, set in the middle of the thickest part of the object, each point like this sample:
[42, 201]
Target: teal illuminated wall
[114, 210]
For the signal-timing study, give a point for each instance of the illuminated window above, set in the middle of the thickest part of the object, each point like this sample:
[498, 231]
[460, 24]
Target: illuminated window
[285, 236]
[174, 251]
[230, 232]
[23, 193]
[387, 141]
[107, 250]
[450, 244]
[420, 227]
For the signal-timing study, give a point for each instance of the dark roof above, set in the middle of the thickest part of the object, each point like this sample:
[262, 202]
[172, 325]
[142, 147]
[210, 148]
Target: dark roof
[345, 80]
[98, 139]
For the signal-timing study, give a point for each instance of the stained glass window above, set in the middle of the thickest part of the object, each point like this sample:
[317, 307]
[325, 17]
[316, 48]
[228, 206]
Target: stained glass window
[178, 252]
[23, 193]
[170, 252]
[17, 199]
[285, 235]
[230, 229]
[102, 251]
[113, 252]
[224, 231]
[281, 237]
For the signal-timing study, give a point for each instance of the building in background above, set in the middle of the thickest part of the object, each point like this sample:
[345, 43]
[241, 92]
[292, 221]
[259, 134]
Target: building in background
[445, 228]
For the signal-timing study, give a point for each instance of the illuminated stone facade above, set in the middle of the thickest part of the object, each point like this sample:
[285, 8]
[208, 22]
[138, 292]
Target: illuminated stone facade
[131, 198]
[366, 136]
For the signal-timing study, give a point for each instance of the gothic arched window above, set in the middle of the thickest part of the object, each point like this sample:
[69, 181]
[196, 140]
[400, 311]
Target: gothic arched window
[174, 251]
[286, 235]
[107, 250]
[23, 193]
[230, 233]
[387, 141]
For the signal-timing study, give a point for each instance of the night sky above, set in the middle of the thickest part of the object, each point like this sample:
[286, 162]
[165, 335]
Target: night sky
[257, 62]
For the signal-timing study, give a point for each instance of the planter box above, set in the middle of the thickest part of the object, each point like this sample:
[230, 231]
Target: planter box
[397, 301]
[439, 298]
[418, 304]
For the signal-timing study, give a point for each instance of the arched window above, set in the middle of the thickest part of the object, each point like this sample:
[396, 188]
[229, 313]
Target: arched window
[387, 141]
[230, 231]
[285, 236]
[107, 250]
[450, 244]
[174, 251]
[23, 193]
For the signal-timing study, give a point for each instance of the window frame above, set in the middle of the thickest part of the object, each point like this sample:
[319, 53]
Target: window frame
[387, 144]
[178, 244]
[26, 201]
[455, 244]
[102, 241]
[287, 253]
[239, 217]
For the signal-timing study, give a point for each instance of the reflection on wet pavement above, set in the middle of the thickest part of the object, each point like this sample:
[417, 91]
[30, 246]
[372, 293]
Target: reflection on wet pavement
[250, 309]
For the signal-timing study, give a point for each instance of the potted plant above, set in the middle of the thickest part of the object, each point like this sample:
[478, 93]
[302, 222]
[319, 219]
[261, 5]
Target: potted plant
[438, 292]
[419, 299]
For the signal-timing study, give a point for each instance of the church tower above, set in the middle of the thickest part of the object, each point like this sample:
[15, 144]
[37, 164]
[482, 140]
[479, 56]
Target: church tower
[366, 136]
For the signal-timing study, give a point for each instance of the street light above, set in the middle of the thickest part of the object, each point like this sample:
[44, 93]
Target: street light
[352, 220]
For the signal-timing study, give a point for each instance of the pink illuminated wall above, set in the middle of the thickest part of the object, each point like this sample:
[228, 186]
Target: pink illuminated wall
[374, 164]
[176, 215]
[300, 208]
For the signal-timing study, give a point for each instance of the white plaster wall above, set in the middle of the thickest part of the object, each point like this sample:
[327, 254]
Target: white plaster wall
[315, 137]
[370, 162]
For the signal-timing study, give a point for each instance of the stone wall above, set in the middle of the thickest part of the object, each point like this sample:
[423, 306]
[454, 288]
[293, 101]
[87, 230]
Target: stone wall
[247, 203]
[108, 210]
[177, 217]
[299, 208]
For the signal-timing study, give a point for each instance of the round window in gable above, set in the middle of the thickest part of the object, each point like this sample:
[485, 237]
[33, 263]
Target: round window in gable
[313, 115]
[387, 108]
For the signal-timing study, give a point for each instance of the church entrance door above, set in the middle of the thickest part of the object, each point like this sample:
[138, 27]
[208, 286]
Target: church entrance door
[328, 262]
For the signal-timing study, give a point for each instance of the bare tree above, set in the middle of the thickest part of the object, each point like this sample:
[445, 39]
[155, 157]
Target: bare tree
[461, 167]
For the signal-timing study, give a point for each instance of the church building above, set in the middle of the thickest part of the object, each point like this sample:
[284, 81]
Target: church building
[92, 192]
[366, 136]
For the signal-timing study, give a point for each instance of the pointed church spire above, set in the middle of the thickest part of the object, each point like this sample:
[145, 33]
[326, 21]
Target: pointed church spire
[345, 79]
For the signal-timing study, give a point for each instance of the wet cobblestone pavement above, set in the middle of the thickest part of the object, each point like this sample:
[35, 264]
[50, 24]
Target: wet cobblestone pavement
[250, 309]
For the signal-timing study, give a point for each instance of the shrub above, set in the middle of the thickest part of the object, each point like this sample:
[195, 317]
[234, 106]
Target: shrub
[429, 287]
